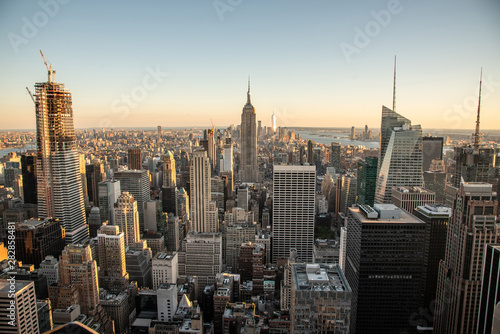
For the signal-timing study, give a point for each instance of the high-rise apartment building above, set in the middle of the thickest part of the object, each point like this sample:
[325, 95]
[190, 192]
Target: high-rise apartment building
[384, 268]
[367, 180]
[127, 218]
[200, 193]
[134, 159]
[59, 185]
[113, 275]
[24, 317]
[400, 157]
[169, 175]
[294, 189]
[249, 171]
[136, 182]
[473, 225]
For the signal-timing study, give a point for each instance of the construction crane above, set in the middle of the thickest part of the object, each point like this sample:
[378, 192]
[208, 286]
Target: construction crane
[31, 95]
[51, 72]
[213, 126]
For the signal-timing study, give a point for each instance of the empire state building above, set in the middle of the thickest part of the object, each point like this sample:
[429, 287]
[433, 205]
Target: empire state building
[60, 192]
[249, 172]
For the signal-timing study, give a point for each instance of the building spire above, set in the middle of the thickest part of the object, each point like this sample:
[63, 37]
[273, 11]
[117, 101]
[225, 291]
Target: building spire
[477, 135]
[394, 87]
[248, 92]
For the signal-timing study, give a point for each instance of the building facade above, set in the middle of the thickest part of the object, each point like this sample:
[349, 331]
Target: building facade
[293, 211]
[249, 171]
[400, 156]
[473, 225]
[59, 186]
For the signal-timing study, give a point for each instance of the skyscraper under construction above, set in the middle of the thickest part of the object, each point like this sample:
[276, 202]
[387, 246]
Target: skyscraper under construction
[58, 180]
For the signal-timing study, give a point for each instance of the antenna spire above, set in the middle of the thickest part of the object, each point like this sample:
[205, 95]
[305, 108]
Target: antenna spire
[248, 92]
[477, 135]
[394, 87]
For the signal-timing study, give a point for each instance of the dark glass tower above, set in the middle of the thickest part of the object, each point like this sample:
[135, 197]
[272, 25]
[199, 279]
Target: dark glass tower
[367, 180]
[383, 265]
[28, 165]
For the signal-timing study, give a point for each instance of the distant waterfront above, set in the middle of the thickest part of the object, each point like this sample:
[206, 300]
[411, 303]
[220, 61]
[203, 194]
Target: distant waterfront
[326, 138]
[6, 151]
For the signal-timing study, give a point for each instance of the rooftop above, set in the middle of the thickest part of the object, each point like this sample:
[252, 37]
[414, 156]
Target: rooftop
[319, 277]
[384, 215]
[413, 190]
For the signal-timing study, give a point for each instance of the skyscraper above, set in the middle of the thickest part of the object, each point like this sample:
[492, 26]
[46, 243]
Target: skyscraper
[473, 224]
[249, 172]
[435, 217]
[111, 245]
[200, 192]
[274, 126]
[127, 218]
[169, 176]
[24, 310]
[201, 255]
[310, 152]
[294, 190]
[476, 162]
[490, 289]
[59, 188]
[367, 180]
[384, 268]
[28, 165]
[335, 156]
[136, 182]
[320, 299]
[77, 268]
[432, 148]
[95, 174]
[36, 238]
[400, 159]
[134, 159]
[408, 198]
[79, 274]
[108, 194]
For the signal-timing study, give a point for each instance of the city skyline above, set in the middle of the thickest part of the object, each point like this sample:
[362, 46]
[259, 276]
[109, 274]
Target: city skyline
[189, 64]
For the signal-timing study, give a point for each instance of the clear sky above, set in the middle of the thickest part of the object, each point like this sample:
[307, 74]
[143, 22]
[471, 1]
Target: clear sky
[324, 63]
